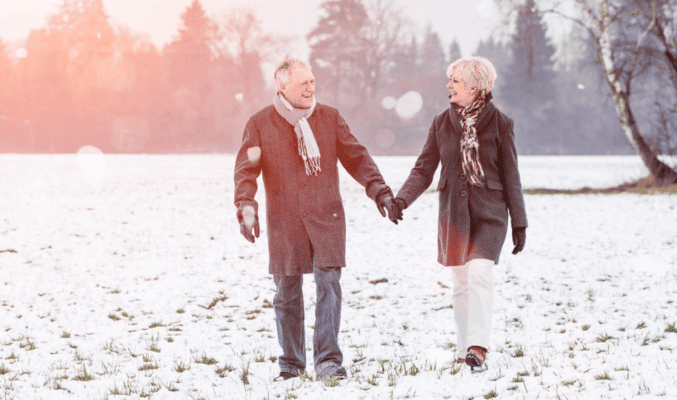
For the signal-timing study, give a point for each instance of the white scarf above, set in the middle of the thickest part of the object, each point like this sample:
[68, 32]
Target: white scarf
[298, 118]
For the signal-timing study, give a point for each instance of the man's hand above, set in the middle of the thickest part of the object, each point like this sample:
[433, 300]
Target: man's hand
[387, 202]
[519, 239]
[249, 223]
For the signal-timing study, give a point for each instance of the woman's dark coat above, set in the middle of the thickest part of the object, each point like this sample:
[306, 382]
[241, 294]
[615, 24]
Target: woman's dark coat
[304, 213]
[472, 220]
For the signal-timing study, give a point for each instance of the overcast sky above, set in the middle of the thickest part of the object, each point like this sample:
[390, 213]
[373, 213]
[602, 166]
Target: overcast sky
[468, 21]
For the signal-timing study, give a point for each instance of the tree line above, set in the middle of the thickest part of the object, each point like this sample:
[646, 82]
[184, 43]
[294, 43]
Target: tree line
[81, 81]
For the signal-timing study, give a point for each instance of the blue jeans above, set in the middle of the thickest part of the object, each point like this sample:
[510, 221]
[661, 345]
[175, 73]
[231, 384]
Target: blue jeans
[289, 317]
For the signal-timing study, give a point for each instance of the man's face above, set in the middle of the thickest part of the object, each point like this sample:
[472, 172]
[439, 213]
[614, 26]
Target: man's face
[301, 88]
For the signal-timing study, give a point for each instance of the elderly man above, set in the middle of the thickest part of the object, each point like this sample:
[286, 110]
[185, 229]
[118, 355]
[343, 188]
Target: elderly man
[296, 144]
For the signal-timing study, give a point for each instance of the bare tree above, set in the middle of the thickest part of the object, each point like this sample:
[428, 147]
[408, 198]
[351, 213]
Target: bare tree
[387, 33]
[603, 19]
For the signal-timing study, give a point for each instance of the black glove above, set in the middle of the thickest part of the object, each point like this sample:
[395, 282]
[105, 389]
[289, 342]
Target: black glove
[249, 222]
[519, 239]
[386, 202]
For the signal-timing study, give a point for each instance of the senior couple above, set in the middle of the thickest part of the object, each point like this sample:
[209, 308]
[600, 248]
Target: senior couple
[297, 143]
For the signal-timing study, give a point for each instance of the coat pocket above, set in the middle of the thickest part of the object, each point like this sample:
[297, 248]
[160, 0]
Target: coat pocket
[442, 183]
[493, 184]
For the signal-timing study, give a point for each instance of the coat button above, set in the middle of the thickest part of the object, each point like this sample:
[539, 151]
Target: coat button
[335, 215]
[463, 176]
[464, 193]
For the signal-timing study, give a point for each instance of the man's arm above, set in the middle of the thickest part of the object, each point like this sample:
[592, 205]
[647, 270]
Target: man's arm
[247, 170]
[358, 163]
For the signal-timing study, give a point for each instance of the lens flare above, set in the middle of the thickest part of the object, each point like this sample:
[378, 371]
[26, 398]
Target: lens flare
[409, 104]
[91, 162]
[389, 102]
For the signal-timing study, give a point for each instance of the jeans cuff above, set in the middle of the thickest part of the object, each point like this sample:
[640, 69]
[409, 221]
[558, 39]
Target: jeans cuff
[326, 368]
[293, 371]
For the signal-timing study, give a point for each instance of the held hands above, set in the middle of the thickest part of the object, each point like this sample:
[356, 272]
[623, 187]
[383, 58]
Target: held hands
[519, 239]
[387, 202]
[248, 223]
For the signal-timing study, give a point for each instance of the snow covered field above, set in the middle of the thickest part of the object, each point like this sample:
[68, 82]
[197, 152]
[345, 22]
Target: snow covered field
[108, 266]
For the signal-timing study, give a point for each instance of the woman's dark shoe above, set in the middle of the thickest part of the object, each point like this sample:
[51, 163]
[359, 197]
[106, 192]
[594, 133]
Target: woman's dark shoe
[475, 358]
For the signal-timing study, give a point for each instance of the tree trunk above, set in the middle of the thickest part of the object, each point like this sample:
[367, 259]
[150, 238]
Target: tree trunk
[662, 173]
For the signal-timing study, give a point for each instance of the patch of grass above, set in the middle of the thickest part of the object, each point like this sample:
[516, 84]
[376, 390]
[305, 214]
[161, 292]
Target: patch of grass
[65, 335]
[671, 328]
[646, 185]
[180, 311]
[491, 395]
[149, 367]
[585, 327]
[223, 371]
[113, 317]
[244, 375]
[181, 367]
[83, 376]
[205, 360]
[267, 304]
[3, 370]
[156, 325]
[375, 297]
[377, 281]
[216, 301]
[519, 352]
[28, 345]
[604, 376]
[604, 338]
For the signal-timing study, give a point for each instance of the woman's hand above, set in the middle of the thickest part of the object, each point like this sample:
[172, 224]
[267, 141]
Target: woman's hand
[519, 239]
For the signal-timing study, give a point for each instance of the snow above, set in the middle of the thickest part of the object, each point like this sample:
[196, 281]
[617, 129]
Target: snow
[112, 273]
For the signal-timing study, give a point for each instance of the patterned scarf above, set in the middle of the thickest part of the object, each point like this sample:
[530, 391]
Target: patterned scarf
[470, 146]
[298, 118]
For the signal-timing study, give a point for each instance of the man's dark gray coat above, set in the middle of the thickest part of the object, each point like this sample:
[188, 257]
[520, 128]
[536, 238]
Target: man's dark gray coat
[472, 220]
[304, 213]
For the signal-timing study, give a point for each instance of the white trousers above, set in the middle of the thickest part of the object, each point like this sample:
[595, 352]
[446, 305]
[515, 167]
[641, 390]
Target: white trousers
[473, 304]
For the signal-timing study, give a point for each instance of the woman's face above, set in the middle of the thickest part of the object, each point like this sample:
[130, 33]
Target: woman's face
[460, 93]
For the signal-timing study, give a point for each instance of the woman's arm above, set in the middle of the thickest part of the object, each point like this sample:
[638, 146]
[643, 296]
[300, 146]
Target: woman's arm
[510, 174]
[421, 176]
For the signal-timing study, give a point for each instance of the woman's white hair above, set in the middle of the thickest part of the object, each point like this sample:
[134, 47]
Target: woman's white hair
[475, 72]
[284, 70]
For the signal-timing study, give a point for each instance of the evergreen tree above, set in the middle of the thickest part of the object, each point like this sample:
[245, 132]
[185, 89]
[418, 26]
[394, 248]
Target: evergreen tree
[454, 51]
[6, 75]
[432, 79]
[529, 90]
[499, 55]
[338, 53]
[189, 54]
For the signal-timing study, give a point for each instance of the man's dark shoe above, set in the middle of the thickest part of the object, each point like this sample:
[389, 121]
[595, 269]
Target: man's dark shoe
[330, 370]
[340, 373]
[285, 376]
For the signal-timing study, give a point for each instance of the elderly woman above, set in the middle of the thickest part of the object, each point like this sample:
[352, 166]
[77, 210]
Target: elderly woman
[479, 186]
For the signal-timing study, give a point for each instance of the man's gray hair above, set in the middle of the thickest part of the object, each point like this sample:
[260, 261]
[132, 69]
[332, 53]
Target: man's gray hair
[283, 72]
[475, 72]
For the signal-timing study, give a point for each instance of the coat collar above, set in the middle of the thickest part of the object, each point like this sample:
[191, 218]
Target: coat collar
[284, 127]
[482, 121]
